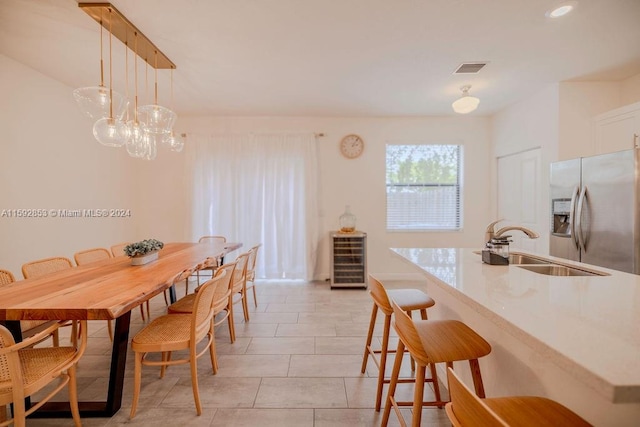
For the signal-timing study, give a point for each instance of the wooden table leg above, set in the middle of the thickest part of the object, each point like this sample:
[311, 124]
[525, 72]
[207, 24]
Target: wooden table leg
[118, 362]
[172, 293]
[116, 382]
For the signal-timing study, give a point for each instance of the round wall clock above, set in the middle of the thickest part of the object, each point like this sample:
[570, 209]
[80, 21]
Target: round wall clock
[351, 146]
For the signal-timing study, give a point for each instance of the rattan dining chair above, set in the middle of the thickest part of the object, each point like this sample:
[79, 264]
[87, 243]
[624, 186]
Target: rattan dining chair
[173, 332]
[210, 263]
[251, 272]
[27, 327]
[179, 278]
[92, 255]
[221, 301]
[468, 410]
[239, 289]
[45, 266]
[24, 370]
[40, 268]
[6, 277]
[220, 261]
[118, 250]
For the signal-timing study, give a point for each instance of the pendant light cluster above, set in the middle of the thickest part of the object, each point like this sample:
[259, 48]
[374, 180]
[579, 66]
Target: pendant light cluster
[145, 127]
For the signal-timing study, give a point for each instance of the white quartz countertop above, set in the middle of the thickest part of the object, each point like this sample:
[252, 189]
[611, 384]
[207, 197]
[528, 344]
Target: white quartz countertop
[588, 325]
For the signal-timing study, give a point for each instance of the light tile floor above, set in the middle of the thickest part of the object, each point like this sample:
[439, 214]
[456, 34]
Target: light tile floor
[295, 363]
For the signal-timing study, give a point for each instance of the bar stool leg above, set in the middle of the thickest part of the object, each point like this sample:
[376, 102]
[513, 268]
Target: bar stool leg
[394, 382]
[477, 378]
[436, 386]
[383, 360]
[418, 396]
[432, 366]
[413, 363]
[367, 347]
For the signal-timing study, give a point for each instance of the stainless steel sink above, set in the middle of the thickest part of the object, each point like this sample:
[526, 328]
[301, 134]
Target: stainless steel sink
[516, 258]
[545, 266]
[526, 259]
[560, 270]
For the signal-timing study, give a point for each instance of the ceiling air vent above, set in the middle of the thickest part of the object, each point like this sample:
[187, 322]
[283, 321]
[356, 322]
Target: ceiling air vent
[470, 68]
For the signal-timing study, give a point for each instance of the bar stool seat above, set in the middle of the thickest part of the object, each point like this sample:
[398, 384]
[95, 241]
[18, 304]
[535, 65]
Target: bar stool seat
[430, 342]
[467, 410]
[409, 300]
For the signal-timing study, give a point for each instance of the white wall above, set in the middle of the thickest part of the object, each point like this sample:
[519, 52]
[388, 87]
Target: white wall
[50, 160]
[360, 182]
[580, 102]
[528, 124]
[630, 90]
[163, 197]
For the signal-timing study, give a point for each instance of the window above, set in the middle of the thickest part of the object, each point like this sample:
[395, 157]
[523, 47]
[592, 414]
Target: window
[424, 187]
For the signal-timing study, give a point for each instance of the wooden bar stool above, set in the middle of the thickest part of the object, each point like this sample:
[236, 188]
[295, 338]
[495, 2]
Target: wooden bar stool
[468, 410]
[408, 300]
[430, 342]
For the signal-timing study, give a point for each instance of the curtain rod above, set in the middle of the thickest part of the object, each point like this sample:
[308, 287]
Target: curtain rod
[316, 134]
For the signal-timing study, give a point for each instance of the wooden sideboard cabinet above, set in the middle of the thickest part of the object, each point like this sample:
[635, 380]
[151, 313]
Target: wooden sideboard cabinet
[349, 260]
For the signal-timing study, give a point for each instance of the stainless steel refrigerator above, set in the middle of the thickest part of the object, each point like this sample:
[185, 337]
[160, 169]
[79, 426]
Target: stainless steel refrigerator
[595, 210]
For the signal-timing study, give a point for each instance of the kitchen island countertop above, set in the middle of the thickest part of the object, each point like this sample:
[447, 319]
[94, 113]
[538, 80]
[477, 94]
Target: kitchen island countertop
[589, 326]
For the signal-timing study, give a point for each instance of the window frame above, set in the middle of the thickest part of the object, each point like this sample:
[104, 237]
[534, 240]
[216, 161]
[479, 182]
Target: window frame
[459, 191]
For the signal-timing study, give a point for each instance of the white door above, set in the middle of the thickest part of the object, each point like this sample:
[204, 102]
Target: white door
[519, 197]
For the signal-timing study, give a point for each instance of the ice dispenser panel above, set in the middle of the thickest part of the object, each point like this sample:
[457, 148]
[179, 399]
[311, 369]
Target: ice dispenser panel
[561, 221]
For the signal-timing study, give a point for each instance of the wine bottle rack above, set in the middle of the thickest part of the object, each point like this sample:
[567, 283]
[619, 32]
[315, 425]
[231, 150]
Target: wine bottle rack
[349, 260]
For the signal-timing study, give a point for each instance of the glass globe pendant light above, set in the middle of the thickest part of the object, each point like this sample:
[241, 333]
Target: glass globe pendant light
[174, 141]
[136, 144]
[93, 101]
[111, 131]
[156, 118]
[151, 146]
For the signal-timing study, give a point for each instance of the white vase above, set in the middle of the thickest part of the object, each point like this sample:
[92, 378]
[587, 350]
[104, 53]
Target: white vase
[144, 259]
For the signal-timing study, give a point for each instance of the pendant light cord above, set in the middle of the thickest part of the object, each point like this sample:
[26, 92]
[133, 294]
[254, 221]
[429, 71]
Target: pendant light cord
[156, 78]
[110, 67]
[101, 53]
[135, 72]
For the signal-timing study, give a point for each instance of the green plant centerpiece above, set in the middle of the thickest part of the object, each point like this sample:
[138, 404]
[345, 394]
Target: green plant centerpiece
[144, 251]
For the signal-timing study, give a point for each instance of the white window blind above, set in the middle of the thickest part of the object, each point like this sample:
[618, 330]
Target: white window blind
[424, 187]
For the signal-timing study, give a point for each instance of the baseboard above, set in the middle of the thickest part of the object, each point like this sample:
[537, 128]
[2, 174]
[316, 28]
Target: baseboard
[382, 276]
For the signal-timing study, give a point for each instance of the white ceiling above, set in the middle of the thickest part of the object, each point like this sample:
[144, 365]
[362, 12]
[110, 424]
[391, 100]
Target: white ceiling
[335, 57]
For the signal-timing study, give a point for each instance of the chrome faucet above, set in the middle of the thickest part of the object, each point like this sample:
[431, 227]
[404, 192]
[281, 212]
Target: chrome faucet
[491, 234]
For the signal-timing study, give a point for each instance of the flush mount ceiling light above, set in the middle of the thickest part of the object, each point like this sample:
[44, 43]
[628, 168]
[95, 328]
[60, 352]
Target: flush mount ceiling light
[466, 103]
[113, 128]
[561, 10]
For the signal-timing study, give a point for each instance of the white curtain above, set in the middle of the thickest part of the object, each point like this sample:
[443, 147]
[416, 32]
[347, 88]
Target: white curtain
[259, 188]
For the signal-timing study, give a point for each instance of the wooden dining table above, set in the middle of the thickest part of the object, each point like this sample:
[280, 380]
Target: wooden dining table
[103, 290]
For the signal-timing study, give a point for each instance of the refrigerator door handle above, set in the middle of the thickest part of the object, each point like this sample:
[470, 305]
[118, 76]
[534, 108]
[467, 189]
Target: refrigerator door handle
[572, 217]
[581, 199]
